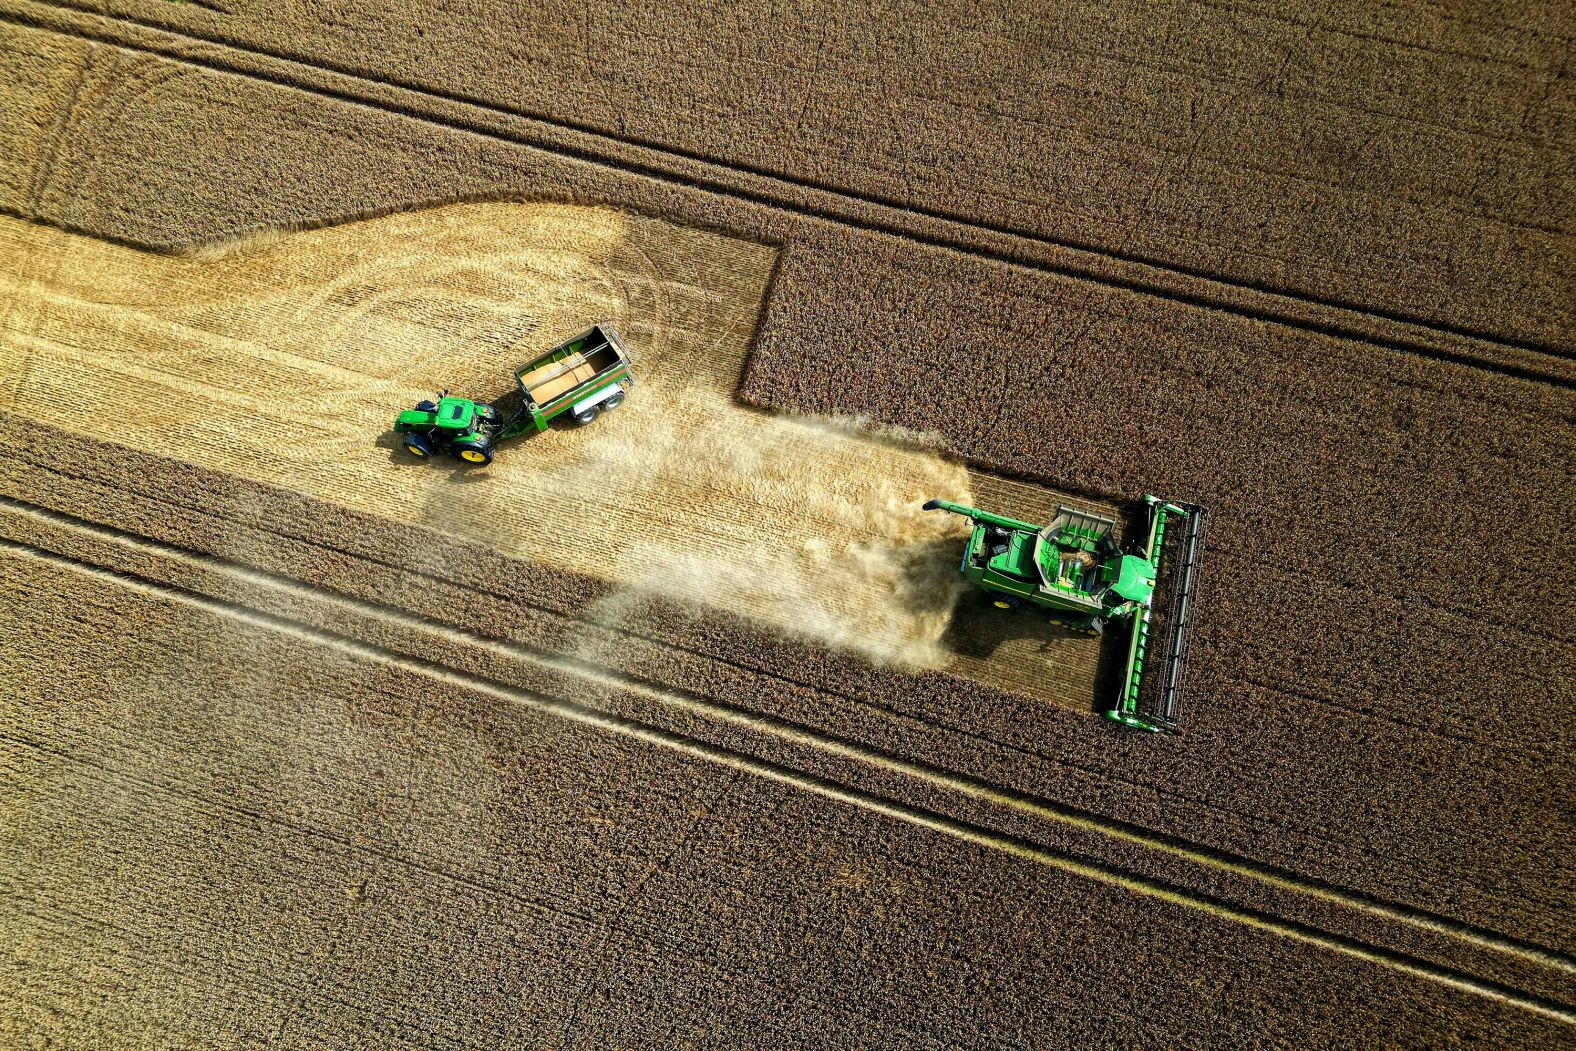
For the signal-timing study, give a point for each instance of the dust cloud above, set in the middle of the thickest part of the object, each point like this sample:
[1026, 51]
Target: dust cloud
[834, 546]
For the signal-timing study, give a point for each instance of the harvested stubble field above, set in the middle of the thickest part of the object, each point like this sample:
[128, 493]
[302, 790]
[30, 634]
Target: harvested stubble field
[314, 746]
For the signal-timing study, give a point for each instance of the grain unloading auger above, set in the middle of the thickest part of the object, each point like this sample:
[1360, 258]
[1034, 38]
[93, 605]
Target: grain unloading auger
[1074, 571]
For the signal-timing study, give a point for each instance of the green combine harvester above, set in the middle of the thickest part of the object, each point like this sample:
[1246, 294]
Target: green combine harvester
[581, 378]
[1073, 570]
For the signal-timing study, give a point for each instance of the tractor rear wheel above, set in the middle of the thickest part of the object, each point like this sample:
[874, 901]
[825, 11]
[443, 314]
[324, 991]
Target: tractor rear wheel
[426, 406]
[475, 451]
[419, 446]
[487, 414]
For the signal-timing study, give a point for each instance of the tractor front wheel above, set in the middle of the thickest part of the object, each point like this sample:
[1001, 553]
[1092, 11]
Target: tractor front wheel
[419, 446]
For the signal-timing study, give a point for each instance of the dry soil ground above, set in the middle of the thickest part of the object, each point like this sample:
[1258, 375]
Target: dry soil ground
[307, 745]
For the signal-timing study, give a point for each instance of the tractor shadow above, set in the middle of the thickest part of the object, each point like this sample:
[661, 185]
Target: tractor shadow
[457, 471]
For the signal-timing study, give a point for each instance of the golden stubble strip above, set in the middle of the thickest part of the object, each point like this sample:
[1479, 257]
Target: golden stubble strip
[283, 358]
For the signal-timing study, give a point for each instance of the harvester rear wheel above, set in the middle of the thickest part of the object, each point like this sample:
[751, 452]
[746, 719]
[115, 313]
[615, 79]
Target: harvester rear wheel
[418, 446]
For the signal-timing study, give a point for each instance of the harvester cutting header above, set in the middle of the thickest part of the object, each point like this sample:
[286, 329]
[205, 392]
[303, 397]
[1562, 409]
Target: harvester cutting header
[1073, 569]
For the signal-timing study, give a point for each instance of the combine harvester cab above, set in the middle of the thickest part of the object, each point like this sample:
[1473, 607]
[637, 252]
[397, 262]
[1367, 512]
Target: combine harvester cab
[1073, 570]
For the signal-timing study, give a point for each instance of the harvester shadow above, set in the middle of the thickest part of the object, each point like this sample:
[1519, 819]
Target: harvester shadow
[979, 629]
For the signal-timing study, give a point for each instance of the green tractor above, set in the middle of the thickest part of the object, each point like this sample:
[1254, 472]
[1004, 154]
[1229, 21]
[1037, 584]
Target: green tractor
[582, 377]
[1073, 570]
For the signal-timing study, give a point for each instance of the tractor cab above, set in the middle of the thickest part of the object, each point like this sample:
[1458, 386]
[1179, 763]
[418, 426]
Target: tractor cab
[458, 426]
[455, 414]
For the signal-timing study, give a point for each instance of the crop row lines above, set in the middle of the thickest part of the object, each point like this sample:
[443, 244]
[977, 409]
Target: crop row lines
[343, 611]
[808, 198]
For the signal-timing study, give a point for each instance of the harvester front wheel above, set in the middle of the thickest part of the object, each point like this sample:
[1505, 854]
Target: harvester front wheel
[418, 446]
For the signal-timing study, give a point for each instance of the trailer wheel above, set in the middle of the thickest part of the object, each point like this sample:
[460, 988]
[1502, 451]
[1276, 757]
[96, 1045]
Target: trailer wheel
[583, 418]
[418, 446]
[612, 403]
